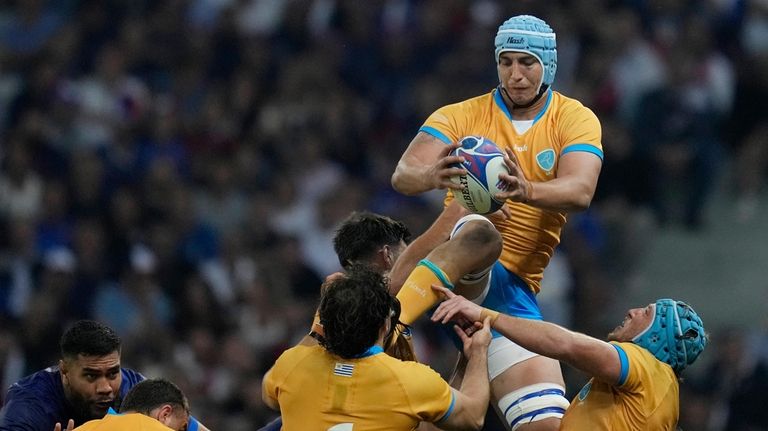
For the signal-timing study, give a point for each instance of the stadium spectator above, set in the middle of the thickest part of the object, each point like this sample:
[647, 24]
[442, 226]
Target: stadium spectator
[554, 154]
[358, 314]
[635, 375]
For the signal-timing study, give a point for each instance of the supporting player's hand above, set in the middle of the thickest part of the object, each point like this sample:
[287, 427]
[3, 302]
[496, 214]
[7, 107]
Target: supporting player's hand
[480, 339]
[70, 426]
[439, 174]
[456, 308]
[518, 188]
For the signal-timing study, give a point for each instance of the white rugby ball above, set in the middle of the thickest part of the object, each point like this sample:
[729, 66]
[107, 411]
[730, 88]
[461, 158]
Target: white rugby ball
[483, 161]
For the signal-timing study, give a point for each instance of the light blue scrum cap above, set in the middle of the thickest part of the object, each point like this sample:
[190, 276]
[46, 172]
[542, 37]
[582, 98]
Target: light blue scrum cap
[676, 336]
[531, 35]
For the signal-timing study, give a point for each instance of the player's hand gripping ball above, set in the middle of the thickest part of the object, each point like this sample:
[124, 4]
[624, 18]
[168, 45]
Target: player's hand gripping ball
[483, 161]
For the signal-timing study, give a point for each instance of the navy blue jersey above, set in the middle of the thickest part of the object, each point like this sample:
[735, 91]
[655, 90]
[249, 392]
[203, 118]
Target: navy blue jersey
[37, 402]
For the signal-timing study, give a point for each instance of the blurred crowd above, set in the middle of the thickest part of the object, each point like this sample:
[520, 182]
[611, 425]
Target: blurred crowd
[176, 168]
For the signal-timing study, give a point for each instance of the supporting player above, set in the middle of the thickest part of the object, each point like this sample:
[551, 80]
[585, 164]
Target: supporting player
[635, 375]
[348, 383]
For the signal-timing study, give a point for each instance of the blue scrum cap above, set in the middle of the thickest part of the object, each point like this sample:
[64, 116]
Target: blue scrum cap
[676, 336]
[531, 35]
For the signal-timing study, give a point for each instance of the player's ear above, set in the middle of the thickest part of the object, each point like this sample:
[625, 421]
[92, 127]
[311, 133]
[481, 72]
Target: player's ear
[386, 255]
[164, 413]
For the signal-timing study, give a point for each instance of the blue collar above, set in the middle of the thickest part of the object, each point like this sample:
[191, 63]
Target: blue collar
[497, 97]
[373, 350]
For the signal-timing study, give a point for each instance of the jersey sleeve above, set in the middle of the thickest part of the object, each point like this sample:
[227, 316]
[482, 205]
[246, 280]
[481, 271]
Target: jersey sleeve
[581, 131]
[446, 124]
[430, 397]
[270, 384]
[635, 367]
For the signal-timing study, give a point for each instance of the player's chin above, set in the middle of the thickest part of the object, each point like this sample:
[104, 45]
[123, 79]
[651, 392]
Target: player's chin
[100, 408]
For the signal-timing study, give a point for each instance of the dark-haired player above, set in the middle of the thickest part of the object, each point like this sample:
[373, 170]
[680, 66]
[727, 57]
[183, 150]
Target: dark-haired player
[349, 383]
[87, 382]
[151, 405]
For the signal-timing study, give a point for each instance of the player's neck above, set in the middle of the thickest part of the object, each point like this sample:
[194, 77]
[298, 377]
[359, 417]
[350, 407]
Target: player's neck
[527, 113]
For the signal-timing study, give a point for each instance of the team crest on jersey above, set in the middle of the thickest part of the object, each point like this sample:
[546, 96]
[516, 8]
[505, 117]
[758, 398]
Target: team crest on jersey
[585, 391]
[546, 159]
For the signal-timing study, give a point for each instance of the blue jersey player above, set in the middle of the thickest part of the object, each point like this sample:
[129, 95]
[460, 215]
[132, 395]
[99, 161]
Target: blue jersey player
[86, 383]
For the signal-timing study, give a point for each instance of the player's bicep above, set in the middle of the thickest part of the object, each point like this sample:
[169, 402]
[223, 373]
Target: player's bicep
[581, 168]
[424, 149]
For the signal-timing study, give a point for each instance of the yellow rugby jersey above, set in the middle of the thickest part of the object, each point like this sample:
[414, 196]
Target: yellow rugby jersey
[562, 126]
[123, 422]
[646, 397]
[320, 391]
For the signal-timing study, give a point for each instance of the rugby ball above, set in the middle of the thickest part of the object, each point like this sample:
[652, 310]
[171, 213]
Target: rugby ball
[483, 161]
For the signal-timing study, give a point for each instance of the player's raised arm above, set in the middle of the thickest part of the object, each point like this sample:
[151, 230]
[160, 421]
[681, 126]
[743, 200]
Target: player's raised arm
[426, 165]
[595, 357]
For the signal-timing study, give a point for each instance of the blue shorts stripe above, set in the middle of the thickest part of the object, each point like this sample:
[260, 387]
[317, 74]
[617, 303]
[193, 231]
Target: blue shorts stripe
[535, 394]
[536, 413]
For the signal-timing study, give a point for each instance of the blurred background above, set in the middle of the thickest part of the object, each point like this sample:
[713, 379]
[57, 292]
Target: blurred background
[176, 169]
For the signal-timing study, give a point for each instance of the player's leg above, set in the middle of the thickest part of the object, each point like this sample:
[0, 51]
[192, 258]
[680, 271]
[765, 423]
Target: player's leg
[527, 389]
[475, 247]
[528, 395]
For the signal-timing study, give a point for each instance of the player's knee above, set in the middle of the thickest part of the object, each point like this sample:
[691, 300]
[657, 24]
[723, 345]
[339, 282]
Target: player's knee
[534, 407]
[481, 236]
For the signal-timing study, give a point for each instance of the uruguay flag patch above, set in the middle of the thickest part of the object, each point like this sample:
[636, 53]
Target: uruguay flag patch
[344, 370]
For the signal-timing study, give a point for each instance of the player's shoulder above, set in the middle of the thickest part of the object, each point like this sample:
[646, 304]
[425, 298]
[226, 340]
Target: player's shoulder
[408, 371]
[132, 375]
[640, 357]
[298, 354]
[43, 383]
[482, 101]
[34, 399]
[569, 105]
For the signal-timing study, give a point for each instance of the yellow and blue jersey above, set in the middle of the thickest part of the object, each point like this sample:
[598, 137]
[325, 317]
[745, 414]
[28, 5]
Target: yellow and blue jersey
[320, 391]
[646, 397]
[123, 422]
[563, 125]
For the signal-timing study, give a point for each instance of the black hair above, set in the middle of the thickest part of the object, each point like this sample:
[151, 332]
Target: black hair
[352, 310]
[362, 233]
[88, 338]
[151, 394]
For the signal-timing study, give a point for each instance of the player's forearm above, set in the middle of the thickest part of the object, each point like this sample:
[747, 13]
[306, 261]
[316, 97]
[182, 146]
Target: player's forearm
[475, 384]
[544, 338]
[561, 194]
[410, 178]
